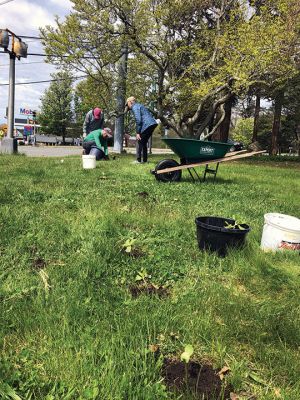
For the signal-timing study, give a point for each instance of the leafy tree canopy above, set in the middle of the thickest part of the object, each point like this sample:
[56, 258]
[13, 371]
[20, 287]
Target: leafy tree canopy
[243, 130]
[56, 111]
[199, 52]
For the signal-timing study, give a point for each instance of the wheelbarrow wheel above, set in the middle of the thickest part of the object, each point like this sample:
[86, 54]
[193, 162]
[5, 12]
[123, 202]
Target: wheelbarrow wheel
[173, 176]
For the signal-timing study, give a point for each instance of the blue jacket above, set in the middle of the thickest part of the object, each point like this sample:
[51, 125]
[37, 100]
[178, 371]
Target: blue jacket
[143, 117]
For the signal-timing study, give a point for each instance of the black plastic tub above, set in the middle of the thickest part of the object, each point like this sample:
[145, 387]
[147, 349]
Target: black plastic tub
[214, 236]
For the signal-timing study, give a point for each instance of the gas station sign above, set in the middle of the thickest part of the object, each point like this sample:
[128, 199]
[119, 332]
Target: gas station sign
[26, 111]
[28, 130]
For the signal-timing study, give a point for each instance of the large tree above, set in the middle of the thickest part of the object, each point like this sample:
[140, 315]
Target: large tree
[291, 111]
[90, 93]
[201, 53]
[56, 110]
[273, 85]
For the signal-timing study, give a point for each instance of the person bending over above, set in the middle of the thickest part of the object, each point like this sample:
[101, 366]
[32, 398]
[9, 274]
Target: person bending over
[145, 125]
[94, 119]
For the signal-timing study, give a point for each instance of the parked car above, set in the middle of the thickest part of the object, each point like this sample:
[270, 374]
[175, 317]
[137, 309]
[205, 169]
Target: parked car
[236, 146]
[20, 138]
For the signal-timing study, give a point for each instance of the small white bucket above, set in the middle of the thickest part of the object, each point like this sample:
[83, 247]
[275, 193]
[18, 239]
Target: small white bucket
[280, 232]
[88, 162]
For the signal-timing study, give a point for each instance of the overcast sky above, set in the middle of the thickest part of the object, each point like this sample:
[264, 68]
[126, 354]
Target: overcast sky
[24, 17]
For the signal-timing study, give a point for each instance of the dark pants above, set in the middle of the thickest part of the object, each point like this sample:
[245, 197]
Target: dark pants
[92, 149]
[141, 145]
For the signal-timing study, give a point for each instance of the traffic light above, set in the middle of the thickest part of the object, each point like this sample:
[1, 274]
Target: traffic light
[34, 115]
[4, 39]
[20, 49]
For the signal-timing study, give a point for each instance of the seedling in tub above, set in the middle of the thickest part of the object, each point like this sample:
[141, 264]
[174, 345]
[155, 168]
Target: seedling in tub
[234, 226]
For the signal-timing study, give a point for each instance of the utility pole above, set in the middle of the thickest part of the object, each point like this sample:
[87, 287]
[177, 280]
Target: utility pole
[11, 96]
[18, 49]
[121, 92]
[34, 127]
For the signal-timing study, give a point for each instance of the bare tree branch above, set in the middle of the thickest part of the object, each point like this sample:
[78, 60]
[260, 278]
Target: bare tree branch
[196, 116]
[218, 123]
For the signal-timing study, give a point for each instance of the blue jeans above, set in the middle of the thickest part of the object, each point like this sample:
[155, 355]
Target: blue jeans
[141, 145]
[92, 149]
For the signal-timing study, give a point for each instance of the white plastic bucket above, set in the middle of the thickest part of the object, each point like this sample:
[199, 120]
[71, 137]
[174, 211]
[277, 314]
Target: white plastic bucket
[280, 232]
[88, 162]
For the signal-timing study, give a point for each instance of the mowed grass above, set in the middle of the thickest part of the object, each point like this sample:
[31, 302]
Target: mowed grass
[69, 327]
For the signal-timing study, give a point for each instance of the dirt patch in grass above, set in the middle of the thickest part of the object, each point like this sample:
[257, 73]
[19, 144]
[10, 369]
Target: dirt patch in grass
[143, 195]
[39, 263]
[148, 289]
[134, 253]
[199, 381]
[137, 253]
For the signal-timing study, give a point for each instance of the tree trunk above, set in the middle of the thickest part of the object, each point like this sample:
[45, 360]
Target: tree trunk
[121, 92]
[298, 138]
[223, 132]
[63, 134]
[256, 118]
[276, 122]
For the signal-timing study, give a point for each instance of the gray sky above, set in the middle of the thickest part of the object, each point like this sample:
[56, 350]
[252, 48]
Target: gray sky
[24, 17]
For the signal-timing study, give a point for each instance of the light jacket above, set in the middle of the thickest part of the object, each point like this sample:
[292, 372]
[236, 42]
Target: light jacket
[91, 123]
[143, 117]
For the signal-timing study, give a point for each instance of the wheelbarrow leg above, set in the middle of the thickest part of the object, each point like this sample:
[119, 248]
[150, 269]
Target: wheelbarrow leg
[196, 173]
[216, 170]
[210, 171]
[191, 175]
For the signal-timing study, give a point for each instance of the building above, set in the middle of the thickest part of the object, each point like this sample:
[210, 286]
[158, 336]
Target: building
[25, 123]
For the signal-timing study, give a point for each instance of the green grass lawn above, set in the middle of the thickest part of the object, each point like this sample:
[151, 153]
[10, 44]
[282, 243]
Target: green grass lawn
[69, 327]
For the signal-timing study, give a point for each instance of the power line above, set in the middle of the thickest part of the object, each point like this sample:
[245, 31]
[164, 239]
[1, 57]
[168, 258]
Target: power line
[30, 37]
[44, 55]
[21, 65]
[34, 38]
[40, 38]
[4, 2]
[49, 80]
[59, 56]
[53, 55]
[37, 54]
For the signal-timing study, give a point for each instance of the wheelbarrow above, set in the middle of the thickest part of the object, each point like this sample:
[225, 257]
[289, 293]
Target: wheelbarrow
[194, 153]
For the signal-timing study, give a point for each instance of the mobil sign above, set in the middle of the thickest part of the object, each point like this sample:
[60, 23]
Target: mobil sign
[26, 111]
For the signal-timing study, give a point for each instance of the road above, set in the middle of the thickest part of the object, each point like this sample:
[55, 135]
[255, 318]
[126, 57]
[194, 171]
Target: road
[64, 151]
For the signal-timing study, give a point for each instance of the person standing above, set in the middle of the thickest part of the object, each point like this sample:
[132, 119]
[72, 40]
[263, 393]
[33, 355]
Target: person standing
[95, 143]
[145, 125]
[94, 120]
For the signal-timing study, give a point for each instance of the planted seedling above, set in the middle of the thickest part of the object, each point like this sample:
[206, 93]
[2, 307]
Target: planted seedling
[234, 226]
[142, 276]
[128, 245]
[188, 352]
[185, 357]
[130, 248]
[145, 286]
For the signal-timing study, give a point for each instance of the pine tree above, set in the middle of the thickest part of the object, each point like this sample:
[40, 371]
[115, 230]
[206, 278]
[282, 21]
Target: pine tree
[56, 110]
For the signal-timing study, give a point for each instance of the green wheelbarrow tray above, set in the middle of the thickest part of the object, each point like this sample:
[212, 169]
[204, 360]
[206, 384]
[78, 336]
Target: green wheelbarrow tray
[191, 150]
[195, 153]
